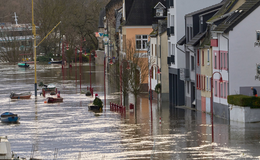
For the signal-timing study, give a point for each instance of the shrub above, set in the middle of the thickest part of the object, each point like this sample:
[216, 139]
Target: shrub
[244, 101]
[158, 88]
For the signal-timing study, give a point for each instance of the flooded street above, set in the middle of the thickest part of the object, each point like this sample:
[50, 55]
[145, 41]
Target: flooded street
[77, 133]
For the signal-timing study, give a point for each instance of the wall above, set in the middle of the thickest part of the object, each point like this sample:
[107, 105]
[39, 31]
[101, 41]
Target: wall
[244, 114]
[243, 55]
[164, 67]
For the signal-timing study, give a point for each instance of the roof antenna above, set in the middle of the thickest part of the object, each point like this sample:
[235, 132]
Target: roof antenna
[15, 18]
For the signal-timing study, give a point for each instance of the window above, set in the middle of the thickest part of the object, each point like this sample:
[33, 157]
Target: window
[201, 24]
[215, 60]
[204, 82]
[173, 49]
[208, 55]
[221, 89]
[159, 12]
[151, 72]
[202, 56]
[172, 20]
[198, 57]
[188, 87]
[225, 90]
[141, 41]
[209, 84]
[197, 81]
[188, 34]
[221, 62]
[191, 33]
[168, 20]
[169, 49]
[152, 49]
[124, 41]
[258, 36]
[155, 73]
[155, 50]
[227, 61]
[192, 63]
[224, 60]
[216, 90]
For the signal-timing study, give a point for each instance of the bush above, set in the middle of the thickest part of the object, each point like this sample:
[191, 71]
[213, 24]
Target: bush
[158, 88]
[97, 102]
[244, 101]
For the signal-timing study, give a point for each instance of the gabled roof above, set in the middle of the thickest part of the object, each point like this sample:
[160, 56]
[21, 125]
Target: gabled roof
[182, 41]
[159, 4]
[236, 17]
[215, 6]
[141, 12]
[195, 40]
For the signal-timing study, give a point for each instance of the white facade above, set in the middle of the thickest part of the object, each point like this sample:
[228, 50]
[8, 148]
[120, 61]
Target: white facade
[220, 64]
[175, 18]
[243, 54]
[153, 62]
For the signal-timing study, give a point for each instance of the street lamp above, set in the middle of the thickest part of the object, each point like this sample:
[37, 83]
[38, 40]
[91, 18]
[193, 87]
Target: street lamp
[111, 62]
[128, 67]
[91, 89]
[150, 90]
[211, 101]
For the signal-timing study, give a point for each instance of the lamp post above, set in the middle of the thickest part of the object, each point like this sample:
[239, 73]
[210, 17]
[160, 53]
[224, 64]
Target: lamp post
[90, 88]
[211, 101]
[128, 67]
[111, 62]
[150, 90]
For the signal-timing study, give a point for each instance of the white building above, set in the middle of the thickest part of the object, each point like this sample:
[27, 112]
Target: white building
[177, 9]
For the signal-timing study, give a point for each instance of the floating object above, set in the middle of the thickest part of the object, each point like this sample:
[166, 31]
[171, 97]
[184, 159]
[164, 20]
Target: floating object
[54, 100]
[23, 95]
[8, 117]
[24, 65]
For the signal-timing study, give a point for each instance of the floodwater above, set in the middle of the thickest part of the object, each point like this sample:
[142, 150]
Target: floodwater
[70, 131]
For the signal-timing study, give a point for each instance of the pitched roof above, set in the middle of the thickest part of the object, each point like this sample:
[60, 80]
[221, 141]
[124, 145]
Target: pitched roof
[182, 41]
[215, 6]
[195, 40]
[236, 17]
[141, 12]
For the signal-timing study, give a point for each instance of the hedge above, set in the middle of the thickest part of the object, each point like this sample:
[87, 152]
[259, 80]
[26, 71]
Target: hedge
[244, 101]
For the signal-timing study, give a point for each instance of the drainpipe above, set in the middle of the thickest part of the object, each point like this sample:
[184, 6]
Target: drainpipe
[228, 71]
[195, 96]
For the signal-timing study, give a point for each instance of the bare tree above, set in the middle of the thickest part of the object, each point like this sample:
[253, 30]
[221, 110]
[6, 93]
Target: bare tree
[15, 43]
[139, 69]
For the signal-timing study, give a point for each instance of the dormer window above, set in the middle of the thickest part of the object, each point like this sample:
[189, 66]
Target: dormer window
[159, 9]
[159, 12]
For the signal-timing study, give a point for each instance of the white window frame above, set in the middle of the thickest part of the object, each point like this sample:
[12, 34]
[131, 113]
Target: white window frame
[258, 35]
[208, 55]
[143, 40]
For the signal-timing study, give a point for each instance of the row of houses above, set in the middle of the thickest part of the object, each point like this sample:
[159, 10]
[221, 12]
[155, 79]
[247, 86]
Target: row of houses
[201, 47]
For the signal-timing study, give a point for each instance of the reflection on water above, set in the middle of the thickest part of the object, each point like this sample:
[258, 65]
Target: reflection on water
[69, 127]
